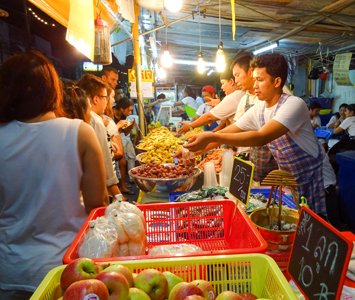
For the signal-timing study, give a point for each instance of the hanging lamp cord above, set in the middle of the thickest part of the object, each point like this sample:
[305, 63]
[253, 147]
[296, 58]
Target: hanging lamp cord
[220, 20]
[199, 27]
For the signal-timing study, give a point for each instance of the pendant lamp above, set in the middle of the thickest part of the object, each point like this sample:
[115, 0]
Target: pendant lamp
[221, 64]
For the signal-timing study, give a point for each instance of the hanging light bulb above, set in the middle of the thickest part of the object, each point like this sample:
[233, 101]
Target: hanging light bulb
[200, 64]
[173, 5]
[221, 64]
[161, 73]
[166, 59]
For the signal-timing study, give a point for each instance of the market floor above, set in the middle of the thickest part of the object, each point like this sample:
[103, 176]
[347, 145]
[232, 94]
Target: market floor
[132, 198]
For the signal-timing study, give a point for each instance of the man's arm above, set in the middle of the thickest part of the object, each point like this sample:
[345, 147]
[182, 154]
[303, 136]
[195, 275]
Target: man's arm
[269, 132]
[195, 117]
[179, 103]
[201, 121]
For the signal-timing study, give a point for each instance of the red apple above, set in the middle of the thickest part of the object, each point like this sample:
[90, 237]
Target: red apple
[78, 269]
[137, 294]
[229, 296]
[134, 277]
[116, 284]
[58, 292]
[194, 297]
[90, 289]
[207, 289]
[124, 271]
[172, 281]
[248, 296]
[153, 282]
[184, 289]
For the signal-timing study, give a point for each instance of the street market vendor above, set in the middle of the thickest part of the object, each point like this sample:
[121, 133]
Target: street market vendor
[281, 122]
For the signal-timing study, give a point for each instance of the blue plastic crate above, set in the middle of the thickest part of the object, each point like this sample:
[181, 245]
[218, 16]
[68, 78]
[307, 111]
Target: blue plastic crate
[323, 133]
[285, 200]
[326, 103]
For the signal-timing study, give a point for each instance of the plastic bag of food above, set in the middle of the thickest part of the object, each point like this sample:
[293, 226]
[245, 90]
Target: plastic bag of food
[133, 227]
[119, 206]
[173, 249]
[100, 241]
[188, 158]
[117, 222]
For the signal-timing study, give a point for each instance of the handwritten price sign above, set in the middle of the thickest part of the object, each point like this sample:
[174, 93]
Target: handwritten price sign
[319, 258]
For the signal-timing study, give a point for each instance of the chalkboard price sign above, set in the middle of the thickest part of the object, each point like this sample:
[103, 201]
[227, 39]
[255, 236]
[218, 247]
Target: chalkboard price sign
[319, 257]
[241, 180]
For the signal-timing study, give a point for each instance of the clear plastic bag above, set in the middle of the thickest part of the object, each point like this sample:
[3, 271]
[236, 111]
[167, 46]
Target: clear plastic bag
[173, 249]
[100, 241]
[119, 206]
[187, 158]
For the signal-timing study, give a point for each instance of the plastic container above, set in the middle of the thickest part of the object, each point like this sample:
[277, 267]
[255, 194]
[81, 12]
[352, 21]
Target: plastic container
[227, 167]
[285, 200]
[325, 119]
[102, 49]
[233, 234]
[325, 102]
[323, 133]
[210, 179]
[346, 163]
[255, 273]
[325, 111]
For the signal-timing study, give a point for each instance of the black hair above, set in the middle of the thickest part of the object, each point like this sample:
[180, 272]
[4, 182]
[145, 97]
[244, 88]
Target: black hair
[351, 107]
[189, 91]
[275, 64]
[315, 105]
[161, 96]
[227, 74]
[243, 62]
[337, 114]
[75, 103]
[123, 103]
[106, 71]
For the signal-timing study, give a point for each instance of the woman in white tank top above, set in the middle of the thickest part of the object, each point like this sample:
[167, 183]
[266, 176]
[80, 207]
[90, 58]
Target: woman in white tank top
[45, 163]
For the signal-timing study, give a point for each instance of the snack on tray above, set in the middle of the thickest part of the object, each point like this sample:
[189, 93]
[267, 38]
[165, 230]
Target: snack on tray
[191, 133]
[155, 170]
[158, 135]
[216, 157]
[162, 152]
[214, 193]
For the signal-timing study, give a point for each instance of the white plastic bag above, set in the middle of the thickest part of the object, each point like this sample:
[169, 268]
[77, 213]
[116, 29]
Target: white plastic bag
[100, 241]
[133, 227]
[119, 206]
[173, 249]
[117, 222]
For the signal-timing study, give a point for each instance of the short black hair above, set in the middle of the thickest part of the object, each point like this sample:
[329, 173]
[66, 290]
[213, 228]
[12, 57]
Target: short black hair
[106, 70]
[343, 105]
[189, 91]
[161, 96]
[351, 107]
[315, 105]
[275, 64]
[243, 62]
[123, 103]
[227, 74]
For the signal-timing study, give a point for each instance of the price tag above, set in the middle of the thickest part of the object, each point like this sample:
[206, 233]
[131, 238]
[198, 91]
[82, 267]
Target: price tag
[241, 180]
[319, 257]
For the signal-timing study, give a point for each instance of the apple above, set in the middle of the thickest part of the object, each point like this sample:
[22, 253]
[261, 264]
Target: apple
[172, 281]
[137, 294]
[134, 277]
[207, 289]
[58, 292]
[124, 271]
[116, 284]
[90, 289]
[194, 297]
[184, 289]
[103, 265]
[78, 269]
[153, 282]
[248, 296]
[229, 296]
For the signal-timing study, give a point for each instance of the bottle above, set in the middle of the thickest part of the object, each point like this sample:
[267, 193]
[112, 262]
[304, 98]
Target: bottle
[102, 49]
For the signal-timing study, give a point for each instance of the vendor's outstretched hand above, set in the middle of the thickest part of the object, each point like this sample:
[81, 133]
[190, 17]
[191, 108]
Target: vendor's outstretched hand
[184, 128]
[213, 102]
[198, 142]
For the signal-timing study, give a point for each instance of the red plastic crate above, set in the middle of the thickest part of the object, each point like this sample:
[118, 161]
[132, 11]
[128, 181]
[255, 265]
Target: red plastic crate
[281, 258]
[178, 223]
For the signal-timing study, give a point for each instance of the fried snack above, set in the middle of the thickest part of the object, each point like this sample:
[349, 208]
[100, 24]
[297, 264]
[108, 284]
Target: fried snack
[162, 152]
[156, 136]
[191, 133]
[216, 157]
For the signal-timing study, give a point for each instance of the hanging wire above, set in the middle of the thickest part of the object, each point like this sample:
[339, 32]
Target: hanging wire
[220, 20]
[199, 26]
[97, 6]
[166, 35]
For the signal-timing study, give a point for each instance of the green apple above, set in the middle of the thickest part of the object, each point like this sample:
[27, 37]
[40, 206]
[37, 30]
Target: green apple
[137, 294]
[172, 281]
[228, 295]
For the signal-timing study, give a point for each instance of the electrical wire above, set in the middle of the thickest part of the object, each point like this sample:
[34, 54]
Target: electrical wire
[219, 20]
[199, 26]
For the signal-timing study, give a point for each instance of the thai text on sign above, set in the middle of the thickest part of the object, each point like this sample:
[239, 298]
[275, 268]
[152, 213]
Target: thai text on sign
[147, 75]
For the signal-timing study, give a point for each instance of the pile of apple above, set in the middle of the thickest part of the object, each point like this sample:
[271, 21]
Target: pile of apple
[84, 279]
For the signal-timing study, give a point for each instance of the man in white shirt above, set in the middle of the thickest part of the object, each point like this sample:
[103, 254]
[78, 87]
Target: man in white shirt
[314, 109]
[225, 110]
[282, 122]
[96, 91]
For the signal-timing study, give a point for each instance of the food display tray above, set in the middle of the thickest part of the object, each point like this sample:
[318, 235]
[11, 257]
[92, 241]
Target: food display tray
[218, 227]
[254, 273]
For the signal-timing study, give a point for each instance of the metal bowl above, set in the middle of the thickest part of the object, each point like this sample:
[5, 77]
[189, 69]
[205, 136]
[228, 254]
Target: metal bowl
[276, 239]
[165, 185]
[139, 158]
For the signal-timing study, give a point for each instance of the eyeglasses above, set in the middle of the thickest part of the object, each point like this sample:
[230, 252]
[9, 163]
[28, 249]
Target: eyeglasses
[106, 97]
